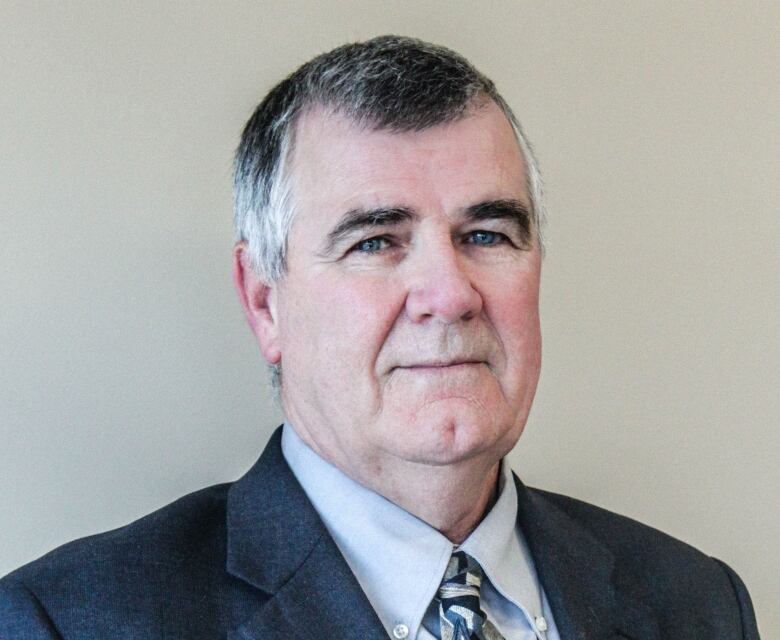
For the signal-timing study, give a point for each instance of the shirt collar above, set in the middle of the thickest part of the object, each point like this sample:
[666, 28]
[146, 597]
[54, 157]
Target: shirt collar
[499, 547]
[398, 559]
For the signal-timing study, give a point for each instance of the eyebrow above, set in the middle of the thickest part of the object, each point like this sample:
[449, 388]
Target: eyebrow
[513, 210]
[355, 220]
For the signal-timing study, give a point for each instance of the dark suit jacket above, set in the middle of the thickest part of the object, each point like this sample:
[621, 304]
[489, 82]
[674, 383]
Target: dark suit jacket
[252, 560]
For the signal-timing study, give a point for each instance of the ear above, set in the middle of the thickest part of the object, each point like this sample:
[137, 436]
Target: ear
[258, 298]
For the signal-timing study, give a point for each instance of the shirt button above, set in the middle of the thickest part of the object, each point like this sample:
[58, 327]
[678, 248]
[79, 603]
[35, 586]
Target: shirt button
[540, 623]
[400, 631]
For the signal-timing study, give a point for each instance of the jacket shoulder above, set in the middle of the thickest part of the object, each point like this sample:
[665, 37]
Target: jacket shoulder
[620, 534]
[670, 575]
[163, 538]
[175, 554]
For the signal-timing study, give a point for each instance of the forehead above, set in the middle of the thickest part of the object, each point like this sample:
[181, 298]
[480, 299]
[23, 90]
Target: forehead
[337, 165]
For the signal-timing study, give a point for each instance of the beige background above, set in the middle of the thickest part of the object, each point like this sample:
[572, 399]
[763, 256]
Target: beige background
[128, 377]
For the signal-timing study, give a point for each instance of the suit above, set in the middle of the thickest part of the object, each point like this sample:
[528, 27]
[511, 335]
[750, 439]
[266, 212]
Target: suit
[252, 560]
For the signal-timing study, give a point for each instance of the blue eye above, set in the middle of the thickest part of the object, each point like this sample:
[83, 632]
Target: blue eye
[485, 238]
[372, 245]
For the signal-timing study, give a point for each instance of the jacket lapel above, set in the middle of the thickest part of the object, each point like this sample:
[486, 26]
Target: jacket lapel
[577, 573]
[321, 600]
[278, 544]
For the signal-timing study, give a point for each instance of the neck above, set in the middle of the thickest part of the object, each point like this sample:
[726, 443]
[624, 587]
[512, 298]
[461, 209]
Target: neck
[451, 498]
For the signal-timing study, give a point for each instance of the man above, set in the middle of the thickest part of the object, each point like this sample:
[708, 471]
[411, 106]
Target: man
[388, 211]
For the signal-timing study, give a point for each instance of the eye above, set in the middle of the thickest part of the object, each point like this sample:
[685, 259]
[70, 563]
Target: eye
[485, 238]
[371, 245]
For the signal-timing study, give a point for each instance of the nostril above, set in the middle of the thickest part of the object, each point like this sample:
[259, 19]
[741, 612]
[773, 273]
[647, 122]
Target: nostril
[448, 297]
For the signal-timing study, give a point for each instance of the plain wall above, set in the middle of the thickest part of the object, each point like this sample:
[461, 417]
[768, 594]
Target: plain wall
[129, 377]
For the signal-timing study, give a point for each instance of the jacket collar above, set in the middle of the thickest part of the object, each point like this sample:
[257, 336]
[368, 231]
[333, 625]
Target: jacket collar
[578, 575]
[278, 544]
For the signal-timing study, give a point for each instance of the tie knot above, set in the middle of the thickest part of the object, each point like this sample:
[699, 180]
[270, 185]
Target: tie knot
[463, 575]
[460, 616]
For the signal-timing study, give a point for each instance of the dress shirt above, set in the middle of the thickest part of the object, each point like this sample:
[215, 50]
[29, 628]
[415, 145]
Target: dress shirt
[399, 560]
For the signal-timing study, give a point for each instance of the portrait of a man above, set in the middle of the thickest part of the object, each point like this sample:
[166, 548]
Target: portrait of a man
[389, 242]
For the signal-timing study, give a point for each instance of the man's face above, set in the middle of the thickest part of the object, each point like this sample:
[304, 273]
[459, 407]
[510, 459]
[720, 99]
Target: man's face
[408, 321]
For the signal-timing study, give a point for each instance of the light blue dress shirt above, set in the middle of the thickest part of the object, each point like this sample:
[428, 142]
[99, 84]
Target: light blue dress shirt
[399, 560]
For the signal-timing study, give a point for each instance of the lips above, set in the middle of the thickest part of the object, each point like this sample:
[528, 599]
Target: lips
[439, 364]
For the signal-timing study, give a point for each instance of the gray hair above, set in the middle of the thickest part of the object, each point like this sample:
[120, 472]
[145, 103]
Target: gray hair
[389, 82]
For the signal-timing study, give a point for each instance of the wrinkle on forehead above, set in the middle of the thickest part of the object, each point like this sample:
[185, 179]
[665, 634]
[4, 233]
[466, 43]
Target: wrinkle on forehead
[377, 167]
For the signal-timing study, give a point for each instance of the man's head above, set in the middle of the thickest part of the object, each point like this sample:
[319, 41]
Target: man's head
[388, 83]
[388, 213]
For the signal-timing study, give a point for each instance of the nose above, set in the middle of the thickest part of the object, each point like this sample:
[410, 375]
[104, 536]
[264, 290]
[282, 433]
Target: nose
[440, 286]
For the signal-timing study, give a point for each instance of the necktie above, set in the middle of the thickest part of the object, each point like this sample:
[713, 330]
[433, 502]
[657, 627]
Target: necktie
[460, 616]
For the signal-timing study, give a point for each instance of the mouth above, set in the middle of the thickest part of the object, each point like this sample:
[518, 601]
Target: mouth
[438, 365]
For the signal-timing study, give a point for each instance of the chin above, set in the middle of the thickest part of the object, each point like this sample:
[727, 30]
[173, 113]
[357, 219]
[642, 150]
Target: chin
[460, 431]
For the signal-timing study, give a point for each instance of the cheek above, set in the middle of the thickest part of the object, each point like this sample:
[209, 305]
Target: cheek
[344, 320]
[516, 321]
[513, 300]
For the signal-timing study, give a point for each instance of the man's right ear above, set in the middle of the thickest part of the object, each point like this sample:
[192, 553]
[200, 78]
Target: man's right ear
[259, 301]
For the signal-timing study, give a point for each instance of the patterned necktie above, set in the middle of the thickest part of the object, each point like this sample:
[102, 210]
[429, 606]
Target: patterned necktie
[460, 616]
